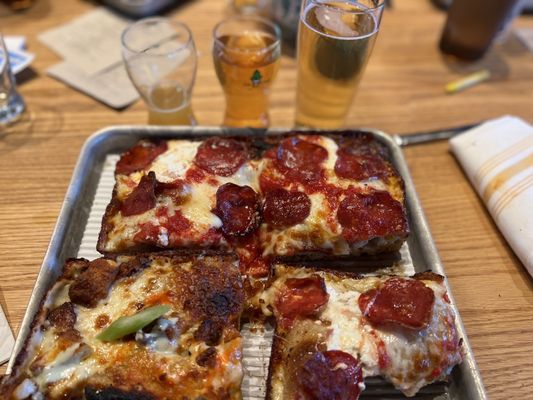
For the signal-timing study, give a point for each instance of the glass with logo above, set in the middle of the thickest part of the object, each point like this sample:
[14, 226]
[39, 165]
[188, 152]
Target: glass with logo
[335, 40]
[160, 57]
[246, 54]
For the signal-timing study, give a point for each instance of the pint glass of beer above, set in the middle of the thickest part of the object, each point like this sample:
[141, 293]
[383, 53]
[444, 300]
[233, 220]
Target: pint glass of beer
[246, 54]
[335, 40]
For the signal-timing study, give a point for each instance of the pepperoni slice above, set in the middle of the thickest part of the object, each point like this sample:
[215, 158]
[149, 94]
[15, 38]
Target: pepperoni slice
[360, 167]
[178, 190]
[400, 301]
[220, 156]
[140, 156]
[301, 297]
[300, 159]
[239, 209]
[364, 144]
[142, 198]
[364, 216]
[283, 208]
[329, 375]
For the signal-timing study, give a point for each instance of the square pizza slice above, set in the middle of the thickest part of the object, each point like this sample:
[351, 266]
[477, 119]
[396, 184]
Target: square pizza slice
[334, 329]
[146, 327]
[166, 194]
[331, 195]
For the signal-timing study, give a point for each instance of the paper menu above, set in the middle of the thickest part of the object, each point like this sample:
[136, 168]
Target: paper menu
[7, 341]
[91, 42]
[90, 47]
[111, 86]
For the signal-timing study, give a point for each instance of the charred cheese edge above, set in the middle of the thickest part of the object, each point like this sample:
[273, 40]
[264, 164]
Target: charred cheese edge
[159, 363]
[416, 359]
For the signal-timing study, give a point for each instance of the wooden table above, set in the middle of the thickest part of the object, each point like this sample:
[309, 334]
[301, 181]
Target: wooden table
[402, 91]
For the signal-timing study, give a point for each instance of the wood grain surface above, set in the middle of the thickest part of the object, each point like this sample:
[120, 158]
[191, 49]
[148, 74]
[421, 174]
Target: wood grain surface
[402, 91]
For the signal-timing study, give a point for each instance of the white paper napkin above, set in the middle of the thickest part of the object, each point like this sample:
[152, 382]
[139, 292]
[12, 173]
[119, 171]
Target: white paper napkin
[7, 341]
[497, 157]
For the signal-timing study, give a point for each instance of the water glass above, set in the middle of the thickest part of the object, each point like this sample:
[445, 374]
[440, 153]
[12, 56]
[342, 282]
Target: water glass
[160, 57]
[11, 103]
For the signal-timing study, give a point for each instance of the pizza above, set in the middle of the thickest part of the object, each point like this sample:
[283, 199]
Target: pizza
[328, 195]
[143, 327]
[295, 196]
[333, 330]
[165, 194]
[193, 241]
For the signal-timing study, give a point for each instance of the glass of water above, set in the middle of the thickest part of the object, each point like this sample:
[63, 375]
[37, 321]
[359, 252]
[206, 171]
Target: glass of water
[11, 103]
[160, 58]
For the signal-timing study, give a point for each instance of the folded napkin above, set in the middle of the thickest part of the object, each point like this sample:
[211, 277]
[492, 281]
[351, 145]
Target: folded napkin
[497, 157]
[6, 338]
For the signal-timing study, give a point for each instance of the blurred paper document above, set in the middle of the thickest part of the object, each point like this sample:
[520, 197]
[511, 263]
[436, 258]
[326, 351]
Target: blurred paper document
[111, 86]
[90, 42]
[90, 47]
[7, 341]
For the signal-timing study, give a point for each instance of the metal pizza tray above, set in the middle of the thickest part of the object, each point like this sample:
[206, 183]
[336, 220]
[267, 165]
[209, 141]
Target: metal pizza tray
[465, 381]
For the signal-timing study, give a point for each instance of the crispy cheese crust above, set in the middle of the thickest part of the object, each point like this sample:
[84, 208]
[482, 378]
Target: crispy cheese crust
[408, 359]
[192, 351]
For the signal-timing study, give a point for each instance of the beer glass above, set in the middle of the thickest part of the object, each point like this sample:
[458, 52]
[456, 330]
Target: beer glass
[335, 40]
[246, 54]
[160, 57]
[472, 25]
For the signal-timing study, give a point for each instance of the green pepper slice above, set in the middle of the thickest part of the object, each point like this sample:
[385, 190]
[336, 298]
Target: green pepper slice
[131, 324]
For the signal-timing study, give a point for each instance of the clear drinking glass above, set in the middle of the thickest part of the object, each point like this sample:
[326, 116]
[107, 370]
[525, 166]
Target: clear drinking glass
[335, 40]
[246, 53]
[11, 103]
[160, 58]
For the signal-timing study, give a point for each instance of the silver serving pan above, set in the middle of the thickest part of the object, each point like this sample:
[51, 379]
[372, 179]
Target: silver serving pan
[465, 381]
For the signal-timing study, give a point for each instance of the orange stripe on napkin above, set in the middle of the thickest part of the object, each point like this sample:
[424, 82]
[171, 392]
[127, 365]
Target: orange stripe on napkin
[505, 155]
[501, 177]
[511, 194]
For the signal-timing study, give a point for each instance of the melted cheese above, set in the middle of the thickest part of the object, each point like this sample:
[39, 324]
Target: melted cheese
[200, 200]
[174, 162]
[320, 231]
[66, 368]
[412, 357]
[314, 232]
[348, 333]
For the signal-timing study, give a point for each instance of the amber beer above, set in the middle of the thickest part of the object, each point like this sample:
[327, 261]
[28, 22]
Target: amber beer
[246, 63]
[335, 39]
